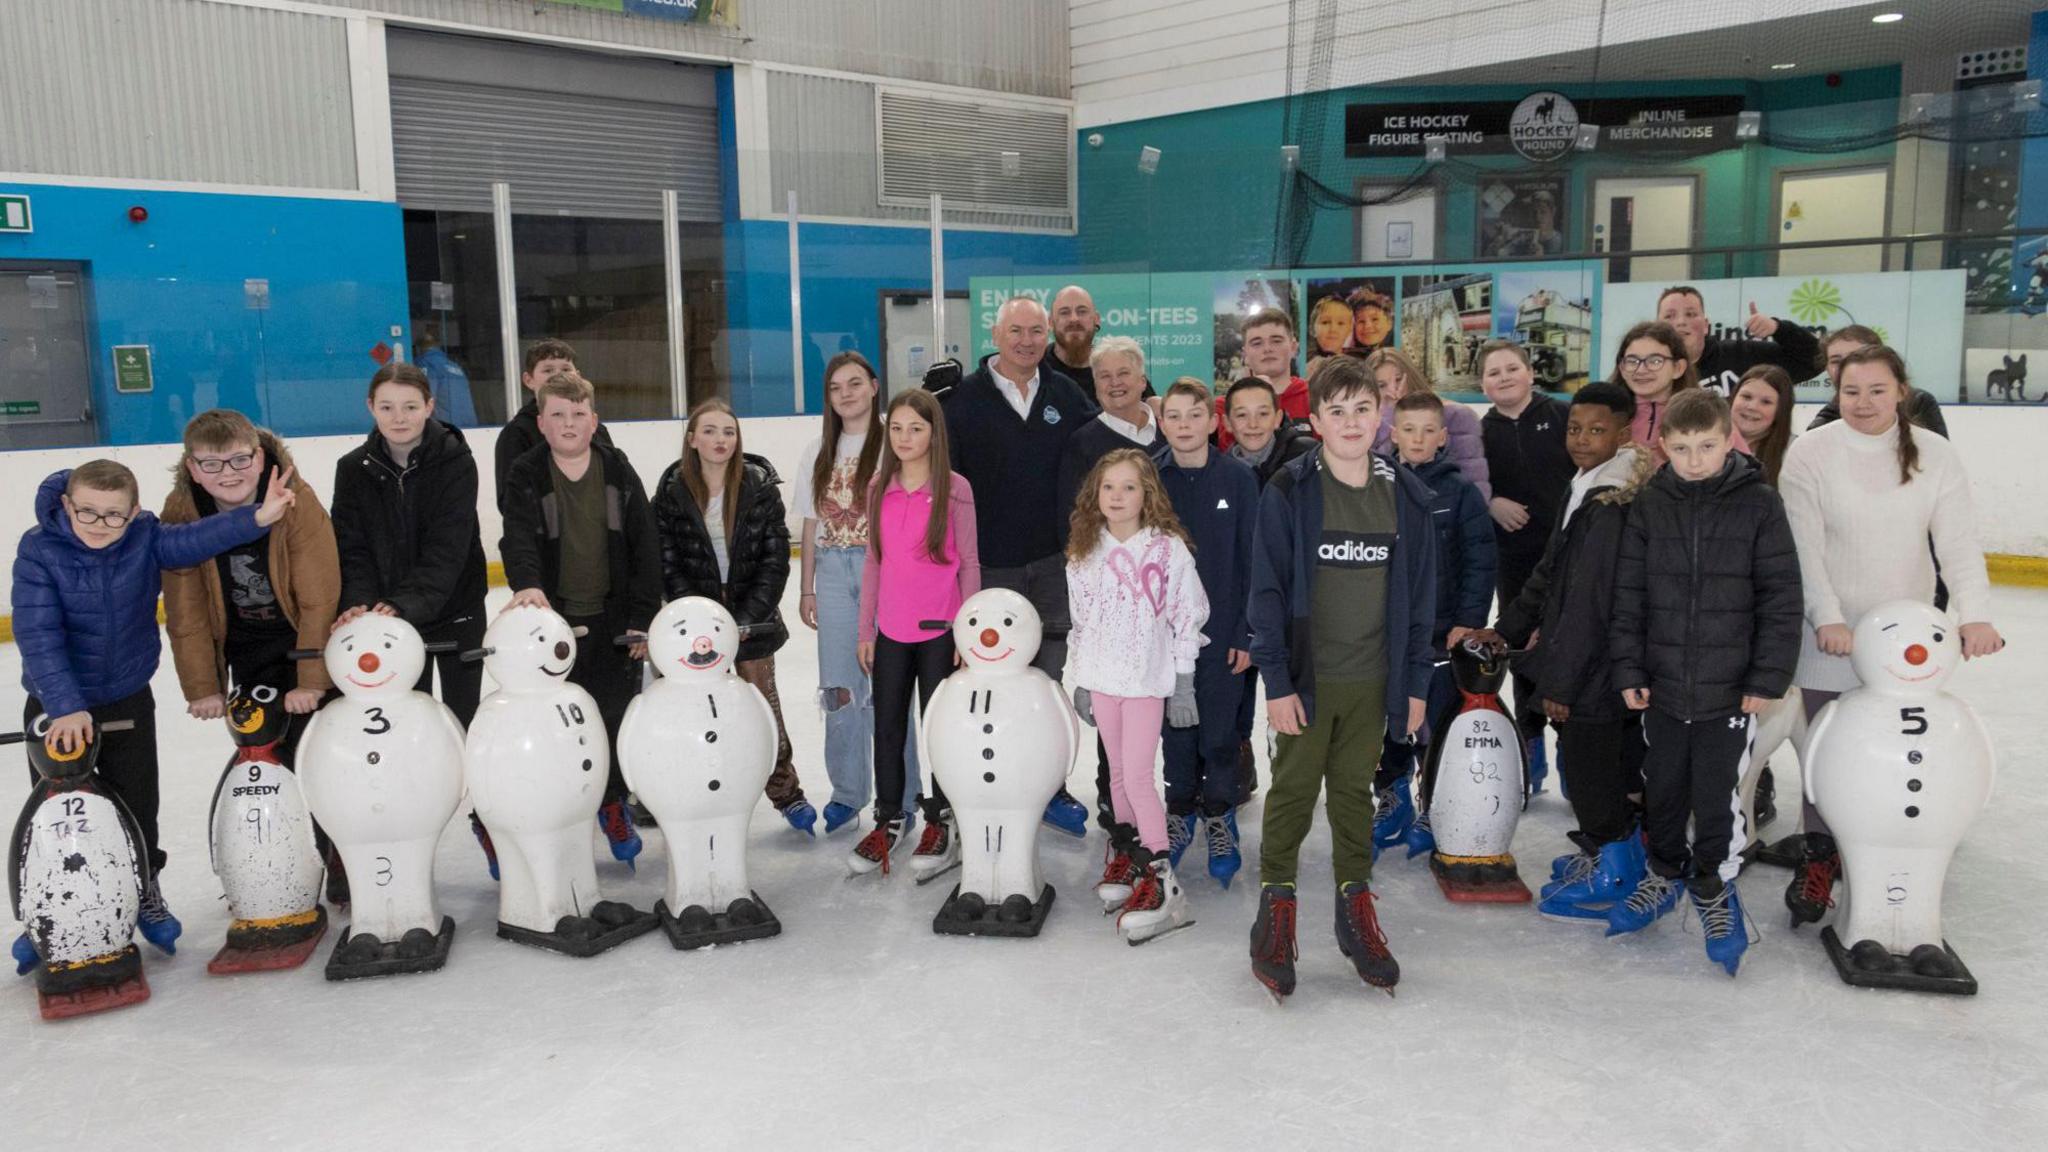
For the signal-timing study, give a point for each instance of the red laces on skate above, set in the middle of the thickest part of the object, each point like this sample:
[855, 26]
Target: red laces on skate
[617, 828]
[1368, 922]
[1117, 871]
[933, 842]
[875, 846]
[1817, 881]
[1146, 895]
[1280, 948]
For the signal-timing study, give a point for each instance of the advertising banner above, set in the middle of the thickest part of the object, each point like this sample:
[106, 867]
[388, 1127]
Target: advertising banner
[1543, 126]
[721, 12]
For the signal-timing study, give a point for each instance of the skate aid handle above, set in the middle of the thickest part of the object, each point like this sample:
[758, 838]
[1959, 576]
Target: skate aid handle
[629, 639]
[110, 726]
[936, 625]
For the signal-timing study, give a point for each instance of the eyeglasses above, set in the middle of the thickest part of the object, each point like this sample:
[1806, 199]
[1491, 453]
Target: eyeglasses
[1638, 363]
[240, 462]
[110, 519]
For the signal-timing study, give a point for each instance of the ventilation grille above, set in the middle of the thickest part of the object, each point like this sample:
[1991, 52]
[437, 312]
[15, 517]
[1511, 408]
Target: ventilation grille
[1991, 62]
[978, 155]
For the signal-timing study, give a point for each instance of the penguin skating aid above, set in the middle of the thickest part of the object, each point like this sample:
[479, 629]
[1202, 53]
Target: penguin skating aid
[261, 845]
[1477, 786]
[76, 880]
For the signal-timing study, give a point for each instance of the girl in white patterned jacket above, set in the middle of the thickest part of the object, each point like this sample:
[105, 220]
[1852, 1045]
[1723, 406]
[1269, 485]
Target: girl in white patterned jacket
[1138, 609]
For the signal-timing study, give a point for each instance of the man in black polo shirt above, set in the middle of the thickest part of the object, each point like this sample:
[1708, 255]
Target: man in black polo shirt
[1007, 423]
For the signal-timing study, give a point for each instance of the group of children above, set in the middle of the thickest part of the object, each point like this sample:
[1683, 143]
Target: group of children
[1638, 550]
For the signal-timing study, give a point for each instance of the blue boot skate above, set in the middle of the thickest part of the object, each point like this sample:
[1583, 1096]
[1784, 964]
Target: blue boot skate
[1224, 859]
[1652, 898]
[838, 816]
[1721, 921]
[801, 816]
[1180, 832]
[1067, 814]
[618, 831]
[25, 958]
[1615, 873]
[154, 920]
[1420, 839]
[1538, 761]
[1393, 815]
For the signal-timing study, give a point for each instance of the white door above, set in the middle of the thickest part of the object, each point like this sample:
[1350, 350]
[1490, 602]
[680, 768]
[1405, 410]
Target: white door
[1403, 229]
[1840, 204]
[1639, 214]
[907, 334]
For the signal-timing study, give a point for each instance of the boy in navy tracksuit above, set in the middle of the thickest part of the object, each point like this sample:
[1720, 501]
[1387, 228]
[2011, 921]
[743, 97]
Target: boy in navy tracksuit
[86, 581]
[1343, 599]
[1217, 500]
[1464, 592]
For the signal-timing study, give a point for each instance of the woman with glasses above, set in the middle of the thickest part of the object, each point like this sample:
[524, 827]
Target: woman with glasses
[1652, 365]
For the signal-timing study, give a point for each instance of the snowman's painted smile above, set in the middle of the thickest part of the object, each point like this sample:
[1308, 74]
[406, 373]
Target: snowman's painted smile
[558, 672]
[703, 660]
[376, 684]
[1003, 655]
[1930, 674]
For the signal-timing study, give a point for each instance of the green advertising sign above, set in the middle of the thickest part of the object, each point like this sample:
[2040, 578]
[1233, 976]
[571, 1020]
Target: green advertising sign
[132, 370]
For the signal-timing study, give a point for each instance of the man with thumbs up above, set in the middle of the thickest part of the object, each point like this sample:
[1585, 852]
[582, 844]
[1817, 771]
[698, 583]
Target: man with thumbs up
[1721, 362]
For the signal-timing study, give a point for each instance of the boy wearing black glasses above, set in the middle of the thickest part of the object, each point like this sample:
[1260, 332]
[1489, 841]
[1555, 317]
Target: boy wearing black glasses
[86, 580]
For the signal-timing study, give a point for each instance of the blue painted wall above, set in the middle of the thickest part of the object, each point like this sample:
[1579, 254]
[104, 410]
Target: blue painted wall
[337, 286]
[1213, 201]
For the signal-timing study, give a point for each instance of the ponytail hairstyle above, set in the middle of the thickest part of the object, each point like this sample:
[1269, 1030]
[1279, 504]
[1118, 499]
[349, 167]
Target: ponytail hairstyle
[1909, 452]
[926, 407]
[1084, 527]
[828, 450]
[693, 464]
[1770, 447]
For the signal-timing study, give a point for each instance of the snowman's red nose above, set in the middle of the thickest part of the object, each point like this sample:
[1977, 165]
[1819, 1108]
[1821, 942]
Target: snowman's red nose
[990, 638]
[367, 662]
[1916, 655]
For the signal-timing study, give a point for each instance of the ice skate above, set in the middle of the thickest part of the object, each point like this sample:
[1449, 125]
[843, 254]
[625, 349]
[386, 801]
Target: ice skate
[1615, 872]
[1566, 871]
[1652, 898]
[1273, 949]
[483, 841]
[1360, 939]
[1067, 814]
[1538, 761]
[25, 958]
[801, 816]
[938, 850]
[1224, 859]
[154, 920]
[1180, 832]
[1393, 815]
[1420, 839]
[1157, 905]
[1119, 875]
[1812, 890]
[838, 816]
[618, 829]
[877, 846]
[1720, 910]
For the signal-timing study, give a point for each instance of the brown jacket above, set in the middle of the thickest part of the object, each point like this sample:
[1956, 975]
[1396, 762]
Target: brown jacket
[305, 571]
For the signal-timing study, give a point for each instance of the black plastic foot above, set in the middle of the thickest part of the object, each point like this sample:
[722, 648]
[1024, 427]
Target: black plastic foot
[699, 927]
[971, 915]
[359, 956]
[1789, 852]
[1926, 970]
[610, 924]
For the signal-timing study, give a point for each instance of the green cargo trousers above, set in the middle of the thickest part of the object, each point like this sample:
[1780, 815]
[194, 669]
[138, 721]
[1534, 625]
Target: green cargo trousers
[1343, 748]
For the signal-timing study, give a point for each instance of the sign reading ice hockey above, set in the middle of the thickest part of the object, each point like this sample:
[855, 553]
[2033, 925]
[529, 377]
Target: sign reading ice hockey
[1544, 126]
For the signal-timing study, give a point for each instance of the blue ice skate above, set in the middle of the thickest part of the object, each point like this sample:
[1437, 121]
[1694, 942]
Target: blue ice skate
[25, 958]
[1180, 832]
[1420, 838]
[1617, 872]
[801, 816]
[1538, 761]
[1067, 814]
[1721, 922]
[1393, 815]
[1224, 860]
[155, 921]
[483, 840]
[1652, 898]
[838, 816]
[618, 831]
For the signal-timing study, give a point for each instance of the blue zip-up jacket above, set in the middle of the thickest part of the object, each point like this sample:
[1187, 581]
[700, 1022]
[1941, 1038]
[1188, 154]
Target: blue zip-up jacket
[85, 619]
[1465, 561]
[1283, 578]
[1218, 504]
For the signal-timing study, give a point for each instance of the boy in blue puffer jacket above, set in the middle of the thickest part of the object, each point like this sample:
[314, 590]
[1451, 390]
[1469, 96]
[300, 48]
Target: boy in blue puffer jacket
[86, 580]
[1464, 593]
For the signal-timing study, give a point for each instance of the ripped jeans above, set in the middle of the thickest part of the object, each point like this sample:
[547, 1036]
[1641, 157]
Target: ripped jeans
[843, 689]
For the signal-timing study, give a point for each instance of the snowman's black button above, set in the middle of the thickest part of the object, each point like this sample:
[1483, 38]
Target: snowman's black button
[1912, 812]
[988, 777]
[586, 765]
[988, 753]
[1912, 785]
[986, 728]
[375, 758]
[711, 737]
[714, 785]
[1915, 756]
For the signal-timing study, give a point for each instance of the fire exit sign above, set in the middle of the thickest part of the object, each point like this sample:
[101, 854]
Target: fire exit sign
[14, 216]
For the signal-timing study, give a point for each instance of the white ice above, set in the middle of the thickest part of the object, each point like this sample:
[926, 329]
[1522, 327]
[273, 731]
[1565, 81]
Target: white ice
[858, 1028]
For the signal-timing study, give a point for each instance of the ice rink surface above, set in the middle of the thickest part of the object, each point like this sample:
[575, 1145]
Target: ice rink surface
[858, 1028]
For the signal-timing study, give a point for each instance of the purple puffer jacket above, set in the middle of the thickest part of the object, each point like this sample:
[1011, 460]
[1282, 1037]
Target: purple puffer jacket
[1466, 450]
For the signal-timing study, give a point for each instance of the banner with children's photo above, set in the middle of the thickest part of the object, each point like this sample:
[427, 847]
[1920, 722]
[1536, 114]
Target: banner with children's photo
[1918, 313]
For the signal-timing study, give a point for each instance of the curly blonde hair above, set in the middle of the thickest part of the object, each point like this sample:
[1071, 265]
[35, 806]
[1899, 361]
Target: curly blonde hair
[1086, 525]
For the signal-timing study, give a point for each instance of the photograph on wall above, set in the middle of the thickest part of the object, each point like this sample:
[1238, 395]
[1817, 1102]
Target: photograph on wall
[1522, 215]
[1999, 376]
[1550, 312]
[1352, 315]
[1238, 297]
[1444, 320]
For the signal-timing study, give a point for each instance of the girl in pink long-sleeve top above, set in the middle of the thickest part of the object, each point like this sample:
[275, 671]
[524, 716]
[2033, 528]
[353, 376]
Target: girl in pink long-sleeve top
[1138, 608]
[921, 566]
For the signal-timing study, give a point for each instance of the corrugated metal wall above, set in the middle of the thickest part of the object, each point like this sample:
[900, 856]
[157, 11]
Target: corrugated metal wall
[1013, 46]
[823, 145]
[175, 90]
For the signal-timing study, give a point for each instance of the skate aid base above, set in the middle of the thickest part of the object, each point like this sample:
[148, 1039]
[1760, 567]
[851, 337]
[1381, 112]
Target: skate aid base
[269, 945]
[93, 986]
[359, 956]
[699, 927]
[610, 924]
[971, 915]
[1901, 973]
[1479, 879]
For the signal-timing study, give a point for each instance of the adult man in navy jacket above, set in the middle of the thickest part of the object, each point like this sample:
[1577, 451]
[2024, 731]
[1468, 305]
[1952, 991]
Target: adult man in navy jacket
[1008, 423]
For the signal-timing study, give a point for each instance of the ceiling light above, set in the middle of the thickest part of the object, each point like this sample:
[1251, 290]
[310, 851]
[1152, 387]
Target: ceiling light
[1887, 18]
[1783, 67]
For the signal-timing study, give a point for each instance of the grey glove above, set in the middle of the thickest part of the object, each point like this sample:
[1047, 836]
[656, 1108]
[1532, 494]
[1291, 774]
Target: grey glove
[1180, 707]
[1084, 706]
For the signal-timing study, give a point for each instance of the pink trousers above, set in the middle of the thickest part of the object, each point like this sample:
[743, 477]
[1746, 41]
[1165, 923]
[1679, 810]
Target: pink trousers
[1130, 734]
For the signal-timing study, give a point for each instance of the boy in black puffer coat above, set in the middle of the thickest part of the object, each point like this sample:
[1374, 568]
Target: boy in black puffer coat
[748, 577]
[1707, 610]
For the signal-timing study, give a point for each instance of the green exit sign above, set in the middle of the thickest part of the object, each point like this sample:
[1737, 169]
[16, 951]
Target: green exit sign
[14, 214]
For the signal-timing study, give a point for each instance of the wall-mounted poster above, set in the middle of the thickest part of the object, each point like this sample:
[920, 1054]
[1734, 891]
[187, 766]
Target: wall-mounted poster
[1550, 312]
[1239, 296]
[1522, 215]
[1444, 320]
[1352, 315]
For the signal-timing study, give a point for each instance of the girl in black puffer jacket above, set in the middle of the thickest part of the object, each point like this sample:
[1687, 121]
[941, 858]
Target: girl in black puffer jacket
[725, 536]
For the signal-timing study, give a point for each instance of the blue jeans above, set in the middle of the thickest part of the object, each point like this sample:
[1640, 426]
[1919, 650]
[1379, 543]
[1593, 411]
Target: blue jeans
[843, 689]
